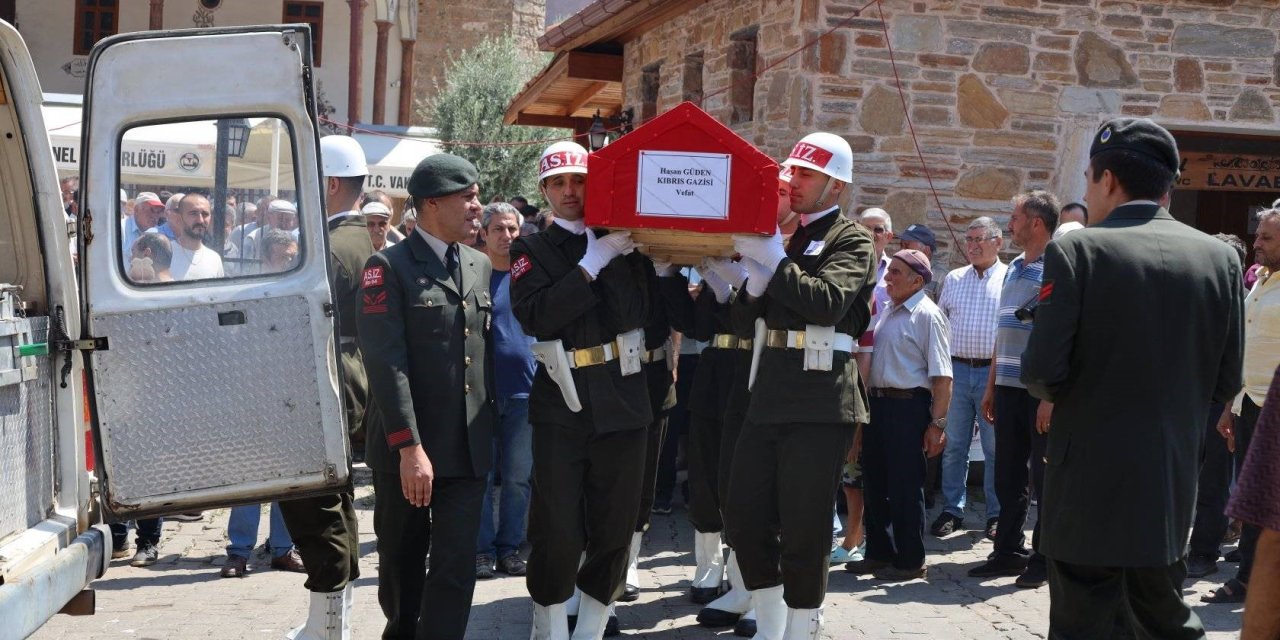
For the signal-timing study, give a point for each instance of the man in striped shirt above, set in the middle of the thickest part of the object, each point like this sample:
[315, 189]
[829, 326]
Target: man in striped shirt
[971, 299]
[1021, 421]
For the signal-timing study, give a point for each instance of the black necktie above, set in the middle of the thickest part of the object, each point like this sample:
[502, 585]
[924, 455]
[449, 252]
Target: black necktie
[451, 263]
[797, 239]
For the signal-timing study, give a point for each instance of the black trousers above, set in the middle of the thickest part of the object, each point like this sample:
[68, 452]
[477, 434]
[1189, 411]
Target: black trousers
[652, 452]
[1017, 443]
[325, 531]
[1214, 489]
[1249, 533]
[893, 475]
[704, 473]
[677, 427]
[425, 604]
[586, 493]
[1115, 603]
[778, 509]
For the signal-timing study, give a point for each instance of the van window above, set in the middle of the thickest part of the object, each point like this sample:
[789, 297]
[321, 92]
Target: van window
[209, 199]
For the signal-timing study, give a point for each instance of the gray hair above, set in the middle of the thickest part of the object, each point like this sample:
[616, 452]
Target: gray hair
[989, 227]
[876, 212]
[1041, 204]
[1270, 214]
[276, 237]
[158, 244]
[499, 209]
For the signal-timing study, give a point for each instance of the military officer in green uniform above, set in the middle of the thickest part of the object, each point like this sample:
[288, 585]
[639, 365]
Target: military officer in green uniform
[584, 298]
[425, 334]
[324, 528]
[812, 296]
[1137, 330]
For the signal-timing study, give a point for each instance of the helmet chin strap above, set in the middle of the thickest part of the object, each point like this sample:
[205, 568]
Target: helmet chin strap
[826, 191]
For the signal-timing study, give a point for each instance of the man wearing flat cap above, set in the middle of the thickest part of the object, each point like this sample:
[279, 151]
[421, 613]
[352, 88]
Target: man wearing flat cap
[1138, 328]
[922, 239]
[910, 389]
[425, 332]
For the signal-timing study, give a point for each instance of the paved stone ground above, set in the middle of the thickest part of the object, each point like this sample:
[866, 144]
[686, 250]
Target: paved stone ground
[183, 597]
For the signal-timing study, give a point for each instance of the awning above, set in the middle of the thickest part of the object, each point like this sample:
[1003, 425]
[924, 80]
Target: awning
[569, 91]
[392, 159]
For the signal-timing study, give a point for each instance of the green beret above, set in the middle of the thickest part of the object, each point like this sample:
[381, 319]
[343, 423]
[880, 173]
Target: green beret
[440, 175]
[1139, 135]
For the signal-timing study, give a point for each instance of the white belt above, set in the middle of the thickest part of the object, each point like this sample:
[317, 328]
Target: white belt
[796, 340]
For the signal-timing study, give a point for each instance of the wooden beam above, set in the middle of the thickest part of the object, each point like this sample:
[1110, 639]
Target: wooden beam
[585, 96]
[629, 23]
[554, 122]
[536, 87]
[594, 66]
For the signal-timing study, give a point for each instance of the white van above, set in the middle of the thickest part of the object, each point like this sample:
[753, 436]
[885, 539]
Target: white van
[159, 375]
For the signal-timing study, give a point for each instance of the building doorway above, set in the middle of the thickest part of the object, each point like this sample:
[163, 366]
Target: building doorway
[1226, 179]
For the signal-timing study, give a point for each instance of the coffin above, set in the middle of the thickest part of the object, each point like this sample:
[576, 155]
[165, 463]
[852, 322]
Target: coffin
[682, 183]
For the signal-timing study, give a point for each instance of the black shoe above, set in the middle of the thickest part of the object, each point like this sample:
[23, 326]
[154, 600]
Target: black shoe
[484, 567]
[894, 574]
[1000, 565]
[945, 525]
[717, 619]
[611, 627]
[146, 556]
[745, 628]
[1199, 566]
[630, 593]
[865, 566]
[1036, 575]
[512, 565]
[1232, 555]
[991, 528]
[703, 595]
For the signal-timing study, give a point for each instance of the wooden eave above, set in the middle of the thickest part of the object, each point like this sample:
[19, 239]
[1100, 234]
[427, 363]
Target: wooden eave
[617, 21]
[569, 91]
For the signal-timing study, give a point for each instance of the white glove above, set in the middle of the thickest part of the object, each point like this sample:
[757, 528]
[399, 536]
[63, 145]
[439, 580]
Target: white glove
[717, 285]
[600, 251]
[758, 277]
[664, 269]
[766, 250]
[727, 270]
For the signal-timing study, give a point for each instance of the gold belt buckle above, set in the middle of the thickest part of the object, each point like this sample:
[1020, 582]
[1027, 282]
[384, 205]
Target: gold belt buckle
[592, 356]
[799, 340]
[726, 341]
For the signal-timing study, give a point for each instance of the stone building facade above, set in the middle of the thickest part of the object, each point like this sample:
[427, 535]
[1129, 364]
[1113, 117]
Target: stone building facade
[447, 28]
[1003, 95]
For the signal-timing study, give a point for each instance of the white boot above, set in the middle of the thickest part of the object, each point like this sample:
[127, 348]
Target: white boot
[738, 599]
[571, 606]
[710, 570]
[803, 624]
[593, 615]
[328, 618]
[633, 562]
[771, 613]
[549, 623]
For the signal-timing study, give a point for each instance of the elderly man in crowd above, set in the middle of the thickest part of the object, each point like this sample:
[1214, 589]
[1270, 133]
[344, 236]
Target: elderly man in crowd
[148, 211]
[377, 217]
[1020, 420]
[971, 300]
[910, 389]
[921, 238]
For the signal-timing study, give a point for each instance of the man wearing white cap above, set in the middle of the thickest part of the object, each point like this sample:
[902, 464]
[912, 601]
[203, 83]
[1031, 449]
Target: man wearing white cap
[589, 406]
[806, 300]
[253, 249]
[377, 218]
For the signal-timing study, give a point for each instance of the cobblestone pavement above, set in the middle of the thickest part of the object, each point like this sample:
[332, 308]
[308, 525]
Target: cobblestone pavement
[182, 595]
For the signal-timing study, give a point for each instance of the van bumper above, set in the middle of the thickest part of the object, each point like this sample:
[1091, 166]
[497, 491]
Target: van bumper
[30, 599]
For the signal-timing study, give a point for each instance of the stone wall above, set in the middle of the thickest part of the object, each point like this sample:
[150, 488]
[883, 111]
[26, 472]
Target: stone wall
[447, 28]
[1004, 94]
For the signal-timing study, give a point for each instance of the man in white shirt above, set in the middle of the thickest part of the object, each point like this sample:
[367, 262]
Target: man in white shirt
[191, 259]
[971, 301]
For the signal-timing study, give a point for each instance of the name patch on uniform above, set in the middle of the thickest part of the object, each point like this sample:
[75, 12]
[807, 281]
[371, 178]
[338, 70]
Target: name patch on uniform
[815, 247]
[521, 266]
[372, 277]
[1046, 290]
[375, 302]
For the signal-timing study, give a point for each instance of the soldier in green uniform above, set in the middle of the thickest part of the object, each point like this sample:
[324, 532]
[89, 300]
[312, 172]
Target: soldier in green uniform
[813, 296]
[586, 301]
[324, 528]
[426, 331]
[1130, 395]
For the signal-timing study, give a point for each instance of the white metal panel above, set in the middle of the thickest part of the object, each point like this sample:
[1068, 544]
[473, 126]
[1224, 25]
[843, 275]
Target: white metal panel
[207, 74]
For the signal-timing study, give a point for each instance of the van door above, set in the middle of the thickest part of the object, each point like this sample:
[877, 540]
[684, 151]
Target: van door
[209, 326]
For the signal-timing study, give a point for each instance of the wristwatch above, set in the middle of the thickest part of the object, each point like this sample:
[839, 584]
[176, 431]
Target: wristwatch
[940, 423]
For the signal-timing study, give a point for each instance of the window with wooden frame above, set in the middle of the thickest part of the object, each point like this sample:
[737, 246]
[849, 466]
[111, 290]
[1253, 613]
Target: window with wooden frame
[742, 74]
[650, 82]
[95, 20]
[311, 13]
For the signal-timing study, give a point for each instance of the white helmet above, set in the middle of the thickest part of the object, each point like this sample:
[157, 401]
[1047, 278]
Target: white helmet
[824, 152]
[562, 157]
[342, 157]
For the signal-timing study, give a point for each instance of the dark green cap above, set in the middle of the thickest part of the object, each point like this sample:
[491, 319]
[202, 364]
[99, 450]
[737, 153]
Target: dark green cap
[440, 175]
[1138, 135]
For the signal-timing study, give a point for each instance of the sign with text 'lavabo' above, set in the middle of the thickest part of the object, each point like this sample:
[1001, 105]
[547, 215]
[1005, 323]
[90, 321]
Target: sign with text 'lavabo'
[684, 184]
[1229, 172]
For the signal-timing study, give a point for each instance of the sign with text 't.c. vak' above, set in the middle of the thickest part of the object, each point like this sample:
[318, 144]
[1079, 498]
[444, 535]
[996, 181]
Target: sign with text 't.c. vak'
[683, 184]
